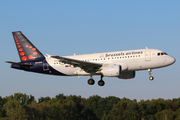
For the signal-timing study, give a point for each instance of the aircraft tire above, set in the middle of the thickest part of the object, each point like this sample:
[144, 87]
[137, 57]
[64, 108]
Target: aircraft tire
[151, 78]
[101, 83]
[91, 81]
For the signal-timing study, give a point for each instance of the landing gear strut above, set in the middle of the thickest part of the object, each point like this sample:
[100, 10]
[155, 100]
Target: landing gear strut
[101, 82]
[150, 72]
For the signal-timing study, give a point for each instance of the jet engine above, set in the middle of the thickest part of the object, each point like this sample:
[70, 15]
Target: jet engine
[118, 71]
[111, 71]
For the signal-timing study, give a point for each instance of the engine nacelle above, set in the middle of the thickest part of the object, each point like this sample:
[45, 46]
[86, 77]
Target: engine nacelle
[118, 71]
[127, 75]
[111, 71]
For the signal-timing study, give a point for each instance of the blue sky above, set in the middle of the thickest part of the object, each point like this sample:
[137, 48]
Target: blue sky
[66, 27]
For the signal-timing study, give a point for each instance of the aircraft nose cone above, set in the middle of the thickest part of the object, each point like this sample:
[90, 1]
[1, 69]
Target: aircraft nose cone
[172, 60]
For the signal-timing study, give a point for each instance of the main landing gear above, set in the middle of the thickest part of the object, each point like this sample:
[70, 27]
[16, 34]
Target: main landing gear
[150, 77]
[100, 82]
[91, 81]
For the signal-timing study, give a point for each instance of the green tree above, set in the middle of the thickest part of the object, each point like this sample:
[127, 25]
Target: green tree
[166, 114]
[2, 111]
[63, 109]
[92, 105]
[44, 99]
[14, 110]
[118, 110]
[22, 98]
[143, 111]
[38, 111]
[60, 97]
[132, 110]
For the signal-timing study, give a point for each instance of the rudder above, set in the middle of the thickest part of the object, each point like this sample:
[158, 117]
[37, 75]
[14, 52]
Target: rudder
[26, 50]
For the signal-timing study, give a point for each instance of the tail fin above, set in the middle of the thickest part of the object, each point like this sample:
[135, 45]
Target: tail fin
[27, 51]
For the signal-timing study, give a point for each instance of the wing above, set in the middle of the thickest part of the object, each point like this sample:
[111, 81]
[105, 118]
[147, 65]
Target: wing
[86, 66]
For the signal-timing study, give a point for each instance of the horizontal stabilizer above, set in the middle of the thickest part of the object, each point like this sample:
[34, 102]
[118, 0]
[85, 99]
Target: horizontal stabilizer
[21, 64]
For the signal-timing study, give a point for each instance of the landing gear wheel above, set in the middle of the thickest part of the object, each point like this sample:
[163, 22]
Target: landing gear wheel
[101, 83]
[91, 81]
[150, 72]
[151, 78]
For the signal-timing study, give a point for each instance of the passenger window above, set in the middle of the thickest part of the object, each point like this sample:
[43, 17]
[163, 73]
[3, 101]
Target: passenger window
[158, 54]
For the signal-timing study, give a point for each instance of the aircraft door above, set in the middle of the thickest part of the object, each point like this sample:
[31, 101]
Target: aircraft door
[148, 55]
[45, 65]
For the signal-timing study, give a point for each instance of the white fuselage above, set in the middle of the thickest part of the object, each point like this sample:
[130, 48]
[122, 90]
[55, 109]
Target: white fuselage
[134, 60]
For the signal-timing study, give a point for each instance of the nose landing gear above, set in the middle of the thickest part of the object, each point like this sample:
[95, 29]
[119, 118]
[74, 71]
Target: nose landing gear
[150, 77]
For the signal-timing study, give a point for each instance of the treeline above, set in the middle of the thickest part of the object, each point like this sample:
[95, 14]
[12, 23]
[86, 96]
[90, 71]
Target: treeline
[24, 107]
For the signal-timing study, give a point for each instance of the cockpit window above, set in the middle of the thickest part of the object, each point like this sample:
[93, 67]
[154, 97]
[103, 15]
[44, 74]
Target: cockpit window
[162, 53]
[165, 53]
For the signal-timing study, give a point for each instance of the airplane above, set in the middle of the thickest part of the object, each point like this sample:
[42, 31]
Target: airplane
[121, 64]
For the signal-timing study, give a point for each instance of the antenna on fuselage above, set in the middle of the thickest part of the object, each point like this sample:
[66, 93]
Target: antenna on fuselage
[146, 48]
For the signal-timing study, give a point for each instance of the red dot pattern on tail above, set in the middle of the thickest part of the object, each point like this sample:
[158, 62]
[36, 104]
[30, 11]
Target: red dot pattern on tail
[22, 53]
[30, 56]
[34, 53]
[24, 58]
[20, 49]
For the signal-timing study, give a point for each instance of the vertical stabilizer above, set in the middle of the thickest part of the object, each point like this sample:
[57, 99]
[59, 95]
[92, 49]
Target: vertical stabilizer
[26, 50]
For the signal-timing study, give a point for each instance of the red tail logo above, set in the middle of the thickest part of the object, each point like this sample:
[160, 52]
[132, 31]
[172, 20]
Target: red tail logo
[24, 57]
